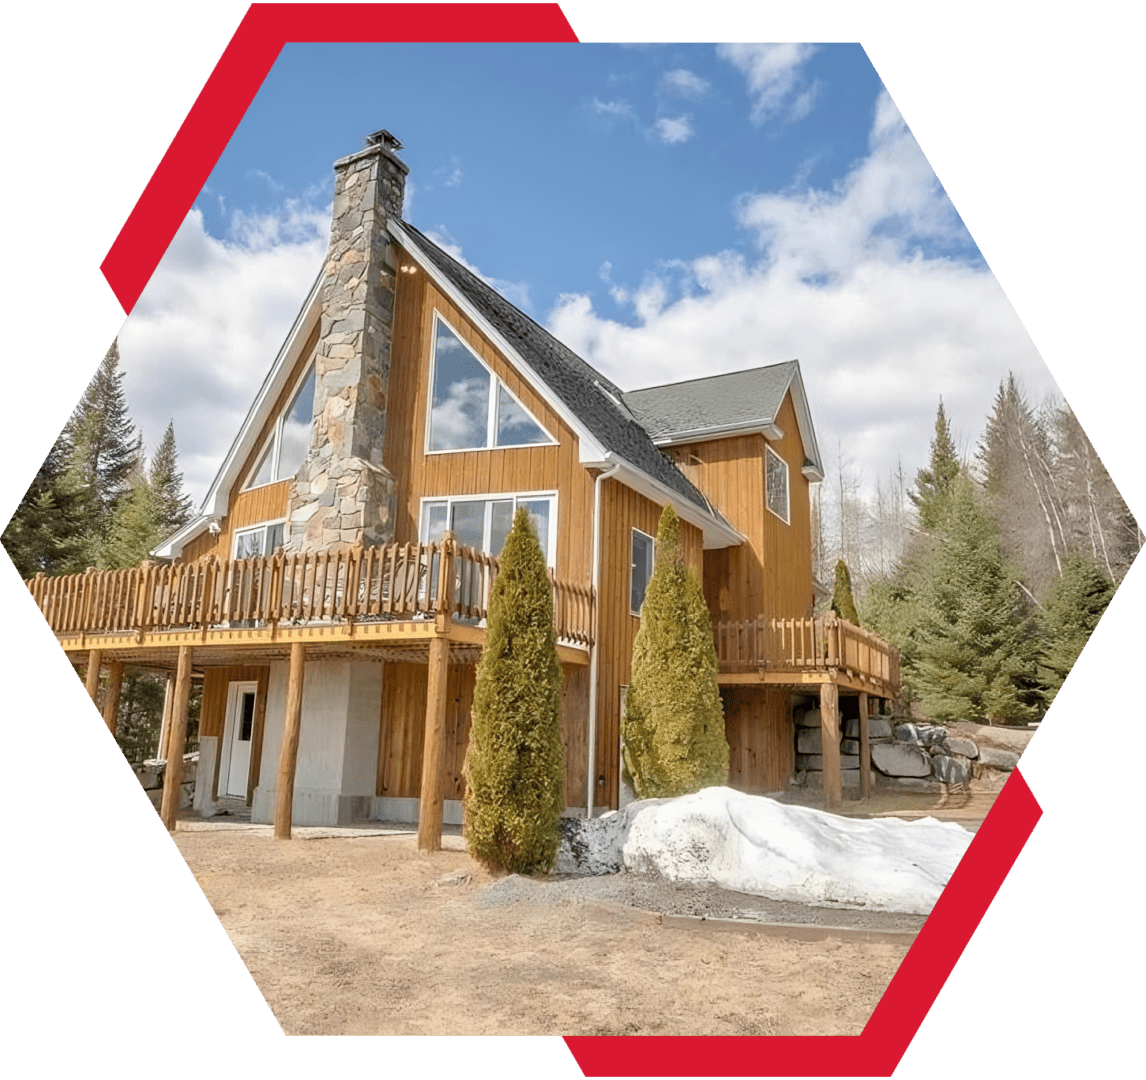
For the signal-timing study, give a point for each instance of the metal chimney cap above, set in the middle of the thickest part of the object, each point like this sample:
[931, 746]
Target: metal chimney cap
[385, 139]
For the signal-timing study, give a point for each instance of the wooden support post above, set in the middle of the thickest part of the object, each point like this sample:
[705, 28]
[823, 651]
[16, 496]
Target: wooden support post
[176, 741]
[257, 727]
[94, 658]
[111, 698]
[865, 748]
[165, 726]
[434, 748]
[288, 758]
[830, 740]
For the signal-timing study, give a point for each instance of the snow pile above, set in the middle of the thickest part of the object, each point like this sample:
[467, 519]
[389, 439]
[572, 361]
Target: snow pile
[756, 845]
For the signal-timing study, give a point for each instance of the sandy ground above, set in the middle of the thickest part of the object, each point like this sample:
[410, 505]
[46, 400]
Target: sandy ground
[361, 935]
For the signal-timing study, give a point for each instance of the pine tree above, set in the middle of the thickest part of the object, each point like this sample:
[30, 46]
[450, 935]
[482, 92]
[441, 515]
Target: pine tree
[1072, 606]
[133, 528]
[515, 764]
[843, 602]
[673, 727]
[173, 507]
[934, 483]
[975, 648]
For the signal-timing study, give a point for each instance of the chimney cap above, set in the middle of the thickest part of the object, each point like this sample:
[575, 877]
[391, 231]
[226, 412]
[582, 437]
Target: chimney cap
[384, 139]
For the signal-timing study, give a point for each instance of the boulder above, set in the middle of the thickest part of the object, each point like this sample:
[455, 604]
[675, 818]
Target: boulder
[997, 759]
[851, 729]
[964, 747]
[910, 783]
[879, 727]
[809, 741]
[850, 746]
[808, 719]
[950, 770]
[812, 762]
[907, 733]
[900, 759]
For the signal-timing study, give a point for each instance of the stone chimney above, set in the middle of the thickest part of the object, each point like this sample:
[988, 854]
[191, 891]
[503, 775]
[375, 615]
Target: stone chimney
[343, 494]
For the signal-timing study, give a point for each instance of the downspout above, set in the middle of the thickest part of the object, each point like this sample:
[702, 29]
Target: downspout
[591, 778]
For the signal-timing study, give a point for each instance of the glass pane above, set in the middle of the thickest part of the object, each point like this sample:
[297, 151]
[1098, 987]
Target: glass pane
[642, 569]
[261, 473]
[459, 415]
[247, 717]
[515, 427]
[469, 523]
[274, 537]
[296, 429]
[249, 544]
[539, 516]
[434, 518]
[501, 524]
[777, 479]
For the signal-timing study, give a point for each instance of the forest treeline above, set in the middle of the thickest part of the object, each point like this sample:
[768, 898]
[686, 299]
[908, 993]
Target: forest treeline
[98, 501]
[990, 570]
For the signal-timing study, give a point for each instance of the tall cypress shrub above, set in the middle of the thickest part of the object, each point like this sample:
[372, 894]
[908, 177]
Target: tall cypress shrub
[515, 764]
[673, 727]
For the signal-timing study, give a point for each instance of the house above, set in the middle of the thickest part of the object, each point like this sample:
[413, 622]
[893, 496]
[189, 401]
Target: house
[331, 590]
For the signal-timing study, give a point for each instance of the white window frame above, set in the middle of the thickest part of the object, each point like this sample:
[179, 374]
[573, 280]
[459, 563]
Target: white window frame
[261, 526]
[786, 517]
[492, 409]
[275, 438]
[652, 540]
[489, 499]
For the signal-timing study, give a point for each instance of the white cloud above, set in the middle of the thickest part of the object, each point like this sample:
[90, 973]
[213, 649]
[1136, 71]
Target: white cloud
[210, 322]
[684, 83]
[839, 279]
[672, 130]
[773, 75]
[614, 110]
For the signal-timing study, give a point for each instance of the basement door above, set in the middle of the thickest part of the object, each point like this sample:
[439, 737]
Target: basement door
[235, 765]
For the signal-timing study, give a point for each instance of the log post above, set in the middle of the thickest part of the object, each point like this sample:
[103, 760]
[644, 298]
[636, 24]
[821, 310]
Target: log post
[176, 741]
[94, 659]
[434, 747]
[830, 743]
[257, 727]
[288, 758]
[111, 697]
[865, 748]
[165, 725]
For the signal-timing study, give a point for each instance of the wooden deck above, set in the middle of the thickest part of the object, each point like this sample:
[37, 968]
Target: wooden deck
[384, 603]
[806, 652]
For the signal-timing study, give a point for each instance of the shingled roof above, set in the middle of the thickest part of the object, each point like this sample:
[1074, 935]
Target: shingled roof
[717, 402]
[598, 403]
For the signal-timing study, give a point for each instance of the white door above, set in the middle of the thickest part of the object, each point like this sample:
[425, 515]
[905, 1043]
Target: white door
[236, 763]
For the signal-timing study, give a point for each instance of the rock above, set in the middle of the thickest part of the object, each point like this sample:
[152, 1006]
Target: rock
[964, 747]
[852, 727]
[809, 719]
[911, 783]
[951, 770]
[815, 762]
[850, 746]
[879, 727]
[931, 734]
[850, 778]
[997, 759]
[458, 877]
[907, 733]
[900, 759]
[809, 741]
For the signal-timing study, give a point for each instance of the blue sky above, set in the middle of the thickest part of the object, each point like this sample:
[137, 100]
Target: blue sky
[669, 211]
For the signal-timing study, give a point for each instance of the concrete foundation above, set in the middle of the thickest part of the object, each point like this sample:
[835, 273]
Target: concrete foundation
[207, 777]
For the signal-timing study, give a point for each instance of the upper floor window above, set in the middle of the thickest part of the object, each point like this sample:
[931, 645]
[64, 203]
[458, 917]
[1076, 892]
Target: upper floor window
[284, 449]
[259, 542]
[484, 522]
[776, 482]
[470, 407]
[643, 548]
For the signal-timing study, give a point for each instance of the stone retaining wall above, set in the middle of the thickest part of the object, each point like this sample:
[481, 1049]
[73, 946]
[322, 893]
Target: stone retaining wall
[150, 775]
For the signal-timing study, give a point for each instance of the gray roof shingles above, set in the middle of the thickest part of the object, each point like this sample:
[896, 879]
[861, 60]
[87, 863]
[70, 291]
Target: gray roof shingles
[585, 391]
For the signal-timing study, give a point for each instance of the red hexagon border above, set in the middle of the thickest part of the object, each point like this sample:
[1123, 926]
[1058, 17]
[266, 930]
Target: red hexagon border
[141, 243]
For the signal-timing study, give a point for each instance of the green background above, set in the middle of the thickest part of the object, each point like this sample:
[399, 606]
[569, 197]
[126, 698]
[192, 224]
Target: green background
[1029, 115]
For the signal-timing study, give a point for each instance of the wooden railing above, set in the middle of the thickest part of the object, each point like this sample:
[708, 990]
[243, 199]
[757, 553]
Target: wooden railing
[805, 645]
[398, 581]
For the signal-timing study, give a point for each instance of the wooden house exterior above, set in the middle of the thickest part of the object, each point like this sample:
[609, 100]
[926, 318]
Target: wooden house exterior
[332, 590]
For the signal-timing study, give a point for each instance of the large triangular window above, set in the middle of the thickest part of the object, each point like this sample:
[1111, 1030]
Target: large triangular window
[470, 407]
[284, 449]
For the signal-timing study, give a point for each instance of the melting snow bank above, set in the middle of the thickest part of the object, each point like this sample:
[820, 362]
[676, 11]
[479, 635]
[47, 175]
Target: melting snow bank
[752, 844]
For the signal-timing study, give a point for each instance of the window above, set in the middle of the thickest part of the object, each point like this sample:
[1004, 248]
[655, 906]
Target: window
[776, 476]
[259, 541]
[484, 522]
[470, 408]
[642, 569]
[284, 449]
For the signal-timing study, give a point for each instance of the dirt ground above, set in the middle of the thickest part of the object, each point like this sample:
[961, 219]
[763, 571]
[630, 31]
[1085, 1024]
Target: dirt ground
[355, 933]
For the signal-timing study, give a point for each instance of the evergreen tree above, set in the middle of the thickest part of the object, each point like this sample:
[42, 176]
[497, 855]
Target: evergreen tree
[975, 650]
[843, 602]
[173, 507]
[133, 528]
[515, 764]
[673, 727]
[1072, 606]
[933, 484]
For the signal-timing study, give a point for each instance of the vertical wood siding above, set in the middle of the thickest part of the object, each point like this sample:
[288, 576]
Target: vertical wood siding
[758, 726]
[212, 714]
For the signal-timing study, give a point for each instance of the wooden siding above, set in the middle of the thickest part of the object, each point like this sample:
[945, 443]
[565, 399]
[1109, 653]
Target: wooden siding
[212, 714]
[761, 743]
[403, 725]
[476, 472]
[622, 510]
[771, 574]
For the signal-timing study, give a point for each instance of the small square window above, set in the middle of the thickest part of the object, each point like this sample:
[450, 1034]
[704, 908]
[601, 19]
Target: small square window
[642, 569]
